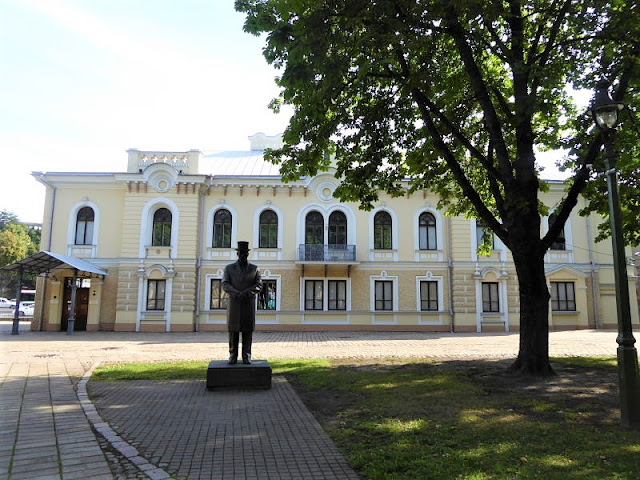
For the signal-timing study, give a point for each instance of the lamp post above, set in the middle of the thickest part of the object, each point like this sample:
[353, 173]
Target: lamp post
[605, 114]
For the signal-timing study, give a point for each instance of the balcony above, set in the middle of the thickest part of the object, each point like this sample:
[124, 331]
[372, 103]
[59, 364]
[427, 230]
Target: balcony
[345, 254]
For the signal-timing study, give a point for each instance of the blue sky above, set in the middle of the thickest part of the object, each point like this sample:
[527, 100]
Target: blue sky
[84, 80]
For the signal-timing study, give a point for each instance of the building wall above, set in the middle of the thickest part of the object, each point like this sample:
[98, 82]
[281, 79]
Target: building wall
[124, 205]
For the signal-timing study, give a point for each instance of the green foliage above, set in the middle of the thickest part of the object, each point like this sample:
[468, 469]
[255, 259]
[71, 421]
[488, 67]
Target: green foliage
[452, 96]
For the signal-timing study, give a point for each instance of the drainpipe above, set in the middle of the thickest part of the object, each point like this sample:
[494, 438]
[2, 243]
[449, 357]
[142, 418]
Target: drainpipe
[594, 289]
[452, 313]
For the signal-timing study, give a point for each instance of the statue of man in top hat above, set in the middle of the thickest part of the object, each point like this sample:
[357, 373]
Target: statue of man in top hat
[242, 282]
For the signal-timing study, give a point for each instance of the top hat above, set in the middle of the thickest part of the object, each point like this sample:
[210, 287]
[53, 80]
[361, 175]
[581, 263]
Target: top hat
[243, 247]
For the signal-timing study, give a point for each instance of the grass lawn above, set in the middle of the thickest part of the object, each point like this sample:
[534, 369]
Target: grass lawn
[419, 419]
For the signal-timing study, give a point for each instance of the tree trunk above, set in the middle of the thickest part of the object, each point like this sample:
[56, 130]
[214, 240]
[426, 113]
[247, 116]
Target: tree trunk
[533, 356]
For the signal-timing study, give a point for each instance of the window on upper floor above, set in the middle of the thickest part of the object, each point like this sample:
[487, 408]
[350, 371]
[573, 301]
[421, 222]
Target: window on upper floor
[314, 229]
[483, 232]
[560, 242]
[563, 297]
[337, 228]
[222, 229]
[84, 226]
[490, 297]
[427, 231]
[268, 236]
[161, 228]
[156, 291]
[382, 224]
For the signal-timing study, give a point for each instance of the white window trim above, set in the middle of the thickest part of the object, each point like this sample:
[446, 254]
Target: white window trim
[325, 294]
[568, 236]
[429, 277]
[503, 314]
[234, 228]
[439, 224]
[71, 230]
[256, 228]
[143, 285]
[499, 246]
[267, 275]
[207, 294]
[147, 224]
[326, 212]
[372, 291]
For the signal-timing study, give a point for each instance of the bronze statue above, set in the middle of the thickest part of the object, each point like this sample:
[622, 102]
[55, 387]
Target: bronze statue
[242, 282]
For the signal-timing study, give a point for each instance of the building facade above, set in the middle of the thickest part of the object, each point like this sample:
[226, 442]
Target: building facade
[165, 229]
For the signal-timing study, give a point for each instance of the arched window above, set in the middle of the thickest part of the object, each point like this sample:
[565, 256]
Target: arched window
[84, 226]
[314, 229]
[222, 229]
[161, 228]
[268, 230]
[382, 231]
[337, 228]
[427, 231]
[560, 242]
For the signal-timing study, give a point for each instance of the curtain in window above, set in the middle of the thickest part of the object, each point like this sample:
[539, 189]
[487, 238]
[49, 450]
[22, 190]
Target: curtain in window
[84, 226]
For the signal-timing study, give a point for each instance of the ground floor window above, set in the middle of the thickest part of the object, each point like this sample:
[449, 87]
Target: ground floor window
[563, 297]
[313, 290]
[428, 295]
[490, 297]
[156, 291]
[267, 296]
[337, 295]
[383, 295]
[219, 298]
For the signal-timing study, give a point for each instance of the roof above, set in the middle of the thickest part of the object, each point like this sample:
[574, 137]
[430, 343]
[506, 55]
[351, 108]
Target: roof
[234, 163]
[46, 261]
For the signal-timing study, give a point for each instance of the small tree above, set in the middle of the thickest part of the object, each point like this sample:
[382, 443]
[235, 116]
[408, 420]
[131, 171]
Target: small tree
[457, 97]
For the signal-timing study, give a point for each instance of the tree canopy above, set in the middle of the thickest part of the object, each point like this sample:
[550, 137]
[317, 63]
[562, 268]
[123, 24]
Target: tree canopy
[458, 97]
[17, 241]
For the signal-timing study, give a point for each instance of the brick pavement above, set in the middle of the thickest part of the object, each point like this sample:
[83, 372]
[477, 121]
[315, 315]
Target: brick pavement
[180, 429]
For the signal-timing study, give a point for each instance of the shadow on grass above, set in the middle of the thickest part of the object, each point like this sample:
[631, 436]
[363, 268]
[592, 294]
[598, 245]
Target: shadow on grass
[471, 420]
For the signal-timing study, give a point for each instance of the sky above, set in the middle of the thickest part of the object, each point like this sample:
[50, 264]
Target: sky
[82, 81]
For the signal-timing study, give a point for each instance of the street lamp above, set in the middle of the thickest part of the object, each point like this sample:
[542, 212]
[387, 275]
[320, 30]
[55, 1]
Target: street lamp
[604, 111]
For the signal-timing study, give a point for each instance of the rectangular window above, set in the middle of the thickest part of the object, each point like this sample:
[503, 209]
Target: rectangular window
[337, 295]
[563, 297]
[384, 295]
[313, 294]
[219, 298]
[429, 295]
[156, 290]
[267, 296]
[490, 297]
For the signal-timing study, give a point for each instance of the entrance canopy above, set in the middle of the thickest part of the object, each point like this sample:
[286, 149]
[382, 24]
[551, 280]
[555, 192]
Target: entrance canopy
[46, 261]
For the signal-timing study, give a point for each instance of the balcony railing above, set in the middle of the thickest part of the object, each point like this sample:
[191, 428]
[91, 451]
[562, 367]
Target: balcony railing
[327, 253]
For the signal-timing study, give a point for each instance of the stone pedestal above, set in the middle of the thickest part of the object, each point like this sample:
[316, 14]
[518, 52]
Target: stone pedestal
[222, 375]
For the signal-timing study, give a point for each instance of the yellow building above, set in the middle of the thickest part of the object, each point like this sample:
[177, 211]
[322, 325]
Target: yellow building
[165, 229]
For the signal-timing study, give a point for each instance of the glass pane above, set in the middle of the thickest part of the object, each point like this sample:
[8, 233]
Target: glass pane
[80, 230]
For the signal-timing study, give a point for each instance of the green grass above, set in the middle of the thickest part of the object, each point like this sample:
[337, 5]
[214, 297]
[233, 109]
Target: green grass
[412, 420]
[610, 363]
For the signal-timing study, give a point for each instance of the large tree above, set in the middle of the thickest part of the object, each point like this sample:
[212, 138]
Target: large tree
[17, 241]
[456, 96]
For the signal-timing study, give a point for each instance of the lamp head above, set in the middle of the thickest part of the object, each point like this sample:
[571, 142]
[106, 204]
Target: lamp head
[604, 109]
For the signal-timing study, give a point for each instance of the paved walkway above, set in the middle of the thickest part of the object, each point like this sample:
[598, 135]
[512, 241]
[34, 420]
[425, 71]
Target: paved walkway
[50, 428]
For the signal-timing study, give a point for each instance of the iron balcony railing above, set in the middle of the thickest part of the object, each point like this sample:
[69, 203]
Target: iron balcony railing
[327, 253]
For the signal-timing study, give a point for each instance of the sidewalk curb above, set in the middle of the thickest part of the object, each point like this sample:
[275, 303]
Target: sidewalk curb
[127, 450]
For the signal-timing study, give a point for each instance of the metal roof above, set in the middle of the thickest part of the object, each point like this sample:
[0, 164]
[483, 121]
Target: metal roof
[46, 261]
[233, 163]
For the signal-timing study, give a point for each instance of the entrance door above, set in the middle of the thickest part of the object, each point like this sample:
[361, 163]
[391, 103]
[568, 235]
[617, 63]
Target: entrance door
[82, 305]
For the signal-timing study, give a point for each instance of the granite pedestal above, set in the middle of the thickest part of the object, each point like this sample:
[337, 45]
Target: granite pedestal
[222, 375]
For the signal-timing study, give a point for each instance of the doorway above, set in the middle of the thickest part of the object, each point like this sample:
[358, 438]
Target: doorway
[82, 304]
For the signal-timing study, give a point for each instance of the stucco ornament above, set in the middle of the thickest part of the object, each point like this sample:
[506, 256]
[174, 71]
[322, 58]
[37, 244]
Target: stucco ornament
[161, 176]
